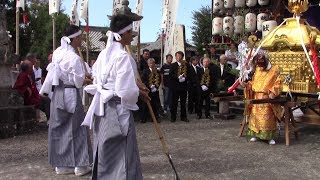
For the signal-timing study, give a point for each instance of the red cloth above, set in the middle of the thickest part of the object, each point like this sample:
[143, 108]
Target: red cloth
[22, 84]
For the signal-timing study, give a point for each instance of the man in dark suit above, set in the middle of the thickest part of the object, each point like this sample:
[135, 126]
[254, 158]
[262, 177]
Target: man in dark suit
[151, 78]
[194, 84]
[226, 78]
[179, 76]
[207, 81]
[143, 64]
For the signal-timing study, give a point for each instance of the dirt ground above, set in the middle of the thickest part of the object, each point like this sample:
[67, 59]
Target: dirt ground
[201, 149]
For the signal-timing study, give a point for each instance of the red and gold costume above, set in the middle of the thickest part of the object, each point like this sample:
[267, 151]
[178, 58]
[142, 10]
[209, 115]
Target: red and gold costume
[262, 118]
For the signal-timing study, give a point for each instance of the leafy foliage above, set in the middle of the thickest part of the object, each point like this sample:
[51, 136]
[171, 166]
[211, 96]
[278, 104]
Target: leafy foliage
[201, 29]
[36, 35]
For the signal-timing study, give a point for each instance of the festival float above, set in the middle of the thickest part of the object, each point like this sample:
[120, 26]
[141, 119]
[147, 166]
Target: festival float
[293, 46]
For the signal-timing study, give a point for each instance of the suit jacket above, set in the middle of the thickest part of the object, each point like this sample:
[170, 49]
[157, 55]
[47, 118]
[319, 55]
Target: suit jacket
[145, 78]
[173, 74]
[213, 78]
[226, 77]
[194, 77]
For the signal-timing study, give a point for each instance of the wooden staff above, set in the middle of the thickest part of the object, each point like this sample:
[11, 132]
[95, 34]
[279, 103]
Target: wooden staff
[83, 64]
[165, 148]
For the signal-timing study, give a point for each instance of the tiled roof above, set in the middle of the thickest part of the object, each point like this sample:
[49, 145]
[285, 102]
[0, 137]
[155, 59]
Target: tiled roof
[95, 35]
[151, 46]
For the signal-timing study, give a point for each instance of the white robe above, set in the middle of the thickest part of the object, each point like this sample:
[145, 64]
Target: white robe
[119, 80]
[66, 66]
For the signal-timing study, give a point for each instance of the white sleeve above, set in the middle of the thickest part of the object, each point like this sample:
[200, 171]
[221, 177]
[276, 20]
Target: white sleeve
[125, 84]
[77, 72]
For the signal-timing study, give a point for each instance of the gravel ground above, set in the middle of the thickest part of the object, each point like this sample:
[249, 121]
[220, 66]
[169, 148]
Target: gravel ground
[201, 149]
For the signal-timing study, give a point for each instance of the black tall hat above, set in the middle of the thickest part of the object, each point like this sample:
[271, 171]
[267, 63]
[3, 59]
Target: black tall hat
[126, 11]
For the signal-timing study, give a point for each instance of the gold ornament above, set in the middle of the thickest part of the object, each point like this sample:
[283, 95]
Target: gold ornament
[182, 69]
[154, 78]
[205, 80]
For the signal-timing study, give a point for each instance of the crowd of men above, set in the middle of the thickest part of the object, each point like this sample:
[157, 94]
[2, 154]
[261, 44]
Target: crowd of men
[189, 82]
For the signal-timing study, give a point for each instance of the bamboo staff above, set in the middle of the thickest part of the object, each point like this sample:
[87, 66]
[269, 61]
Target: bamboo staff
[165, 148]
[138, 46]
[83, 63]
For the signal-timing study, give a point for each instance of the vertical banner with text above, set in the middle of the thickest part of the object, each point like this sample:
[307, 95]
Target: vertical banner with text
[172, 8]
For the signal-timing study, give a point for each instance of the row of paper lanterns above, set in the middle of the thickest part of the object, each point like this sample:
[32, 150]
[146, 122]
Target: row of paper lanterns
[220, 4]
[237, 25]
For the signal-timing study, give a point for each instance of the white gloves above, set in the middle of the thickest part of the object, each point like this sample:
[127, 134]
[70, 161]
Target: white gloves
[181, 78]
[153, 88]
[204, 88]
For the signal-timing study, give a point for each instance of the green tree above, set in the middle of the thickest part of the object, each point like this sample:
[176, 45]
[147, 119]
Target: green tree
[201, 29]
[36, 35]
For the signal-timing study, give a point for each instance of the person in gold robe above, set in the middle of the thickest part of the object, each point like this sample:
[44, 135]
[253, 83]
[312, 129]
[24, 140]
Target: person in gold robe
[266, 83]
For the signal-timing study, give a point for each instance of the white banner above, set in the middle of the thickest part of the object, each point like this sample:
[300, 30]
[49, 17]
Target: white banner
[74, 18]
[179, 39]
[164, 14]
[54, 6]
[172, 8]
[20, 4]
[84, 9]
[116, 6]
[136, 24]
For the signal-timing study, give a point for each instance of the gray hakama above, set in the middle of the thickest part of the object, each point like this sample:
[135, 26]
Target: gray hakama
[116, 155]
[69, 143]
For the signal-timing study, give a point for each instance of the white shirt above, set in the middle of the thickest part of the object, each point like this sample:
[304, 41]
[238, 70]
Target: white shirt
[221, 68]
[195, 68]
[179, 63]
[38, 75]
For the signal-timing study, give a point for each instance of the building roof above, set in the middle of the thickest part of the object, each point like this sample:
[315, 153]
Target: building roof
[95, 35]
[151, 46]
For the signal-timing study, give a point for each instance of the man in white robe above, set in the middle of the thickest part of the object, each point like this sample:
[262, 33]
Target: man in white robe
[69, 149]
[116, 90]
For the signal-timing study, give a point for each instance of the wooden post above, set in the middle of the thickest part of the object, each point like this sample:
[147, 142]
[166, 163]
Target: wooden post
[53, 32]
[287, 120]
[17, 30]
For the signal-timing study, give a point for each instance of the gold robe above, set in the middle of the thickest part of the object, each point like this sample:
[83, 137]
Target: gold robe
[262, 118]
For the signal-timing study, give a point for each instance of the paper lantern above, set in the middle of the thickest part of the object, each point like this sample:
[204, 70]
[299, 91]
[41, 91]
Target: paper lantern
[238, 24]
[263, 2]
[262, 17]
[251, 3]
[217, 5]
[228, 4]
[228, 25]
[250, 22]
[240, 3]
[268, 26]
[217, 26]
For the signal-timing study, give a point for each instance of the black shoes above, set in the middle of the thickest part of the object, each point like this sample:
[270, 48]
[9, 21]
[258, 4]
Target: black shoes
[184, 119]
[199, 116]
[209, 117]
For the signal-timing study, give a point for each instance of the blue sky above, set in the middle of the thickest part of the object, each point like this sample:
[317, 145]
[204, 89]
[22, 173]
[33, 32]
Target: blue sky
[150, 25]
